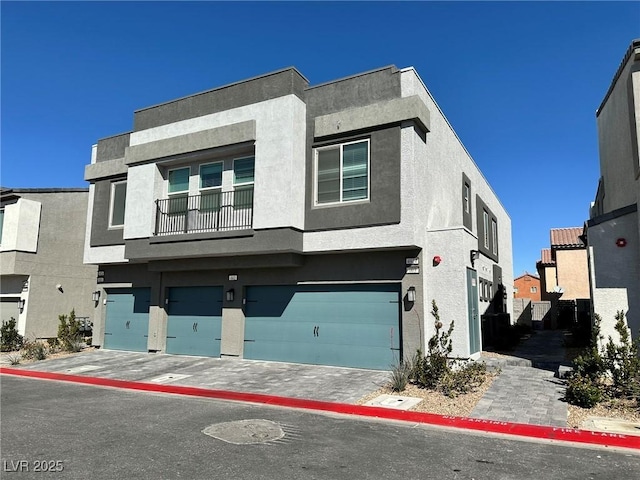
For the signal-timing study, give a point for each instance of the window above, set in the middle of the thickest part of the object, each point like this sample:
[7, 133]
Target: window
[179, 180]
[342, 173]
[210, 186]
[178, 190]
[243, 179]
[118, 201]
[494, 235]
[243, 171]
[467, 197]
[211, 175]
[533, 289]
[515, 290]
[485, 219]
[1, 223]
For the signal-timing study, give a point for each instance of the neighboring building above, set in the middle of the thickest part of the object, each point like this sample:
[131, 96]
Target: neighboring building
[272, 220]
[527, 286]
[613, 229]
[42, 274]
[564, 275]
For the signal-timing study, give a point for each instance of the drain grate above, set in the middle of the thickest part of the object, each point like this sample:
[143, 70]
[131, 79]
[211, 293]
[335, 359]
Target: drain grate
[245, 432]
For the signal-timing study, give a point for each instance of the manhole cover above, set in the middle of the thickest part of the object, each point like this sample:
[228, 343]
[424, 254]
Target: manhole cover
[245, 432]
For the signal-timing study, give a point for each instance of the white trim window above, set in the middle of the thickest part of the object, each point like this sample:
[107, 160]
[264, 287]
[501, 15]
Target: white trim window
[494, 235]
[244, 172]
[467, 197]
[178, 189]
[485, 219]
[211, 186]
[117, 204]
[342, 173]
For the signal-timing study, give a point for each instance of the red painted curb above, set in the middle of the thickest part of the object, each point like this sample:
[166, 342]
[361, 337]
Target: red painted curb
[491, 426]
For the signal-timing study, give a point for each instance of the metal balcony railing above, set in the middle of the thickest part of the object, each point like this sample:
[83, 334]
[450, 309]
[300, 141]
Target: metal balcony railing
[213, 211]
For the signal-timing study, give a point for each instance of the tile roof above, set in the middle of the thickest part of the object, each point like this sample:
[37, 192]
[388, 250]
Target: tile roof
[566, 237]
[545, 256]
[527, 274]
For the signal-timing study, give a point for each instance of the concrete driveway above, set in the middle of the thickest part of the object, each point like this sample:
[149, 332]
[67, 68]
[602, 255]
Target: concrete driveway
[333, 384]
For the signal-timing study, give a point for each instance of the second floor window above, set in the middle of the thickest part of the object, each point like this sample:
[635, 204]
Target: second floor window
[1, 222]
[494, 236]
[467, 197]
[485, 219]
[118, 201]
[342, 173]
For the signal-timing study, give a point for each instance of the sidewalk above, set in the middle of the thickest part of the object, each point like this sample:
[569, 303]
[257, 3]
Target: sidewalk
[527, 391]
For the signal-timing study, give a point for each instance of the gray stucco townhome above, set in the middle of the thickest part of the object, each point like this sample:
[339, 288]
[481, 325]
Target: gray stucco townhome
[270, 219]
[613, 229]
[42, 274]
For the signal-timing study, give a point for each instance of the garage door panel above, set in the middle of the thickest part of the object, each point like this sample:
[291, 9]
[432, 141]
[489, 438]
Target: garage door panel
[347, 325]
[127, 319]
[194, 320]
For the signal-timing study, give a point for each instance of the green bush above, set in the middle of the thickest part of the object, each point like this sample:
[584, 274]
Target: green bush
[622, 361]
[400, 373]
[34, 350]
[10, 339]
[436, 371]
[583, 392]
[69, 332]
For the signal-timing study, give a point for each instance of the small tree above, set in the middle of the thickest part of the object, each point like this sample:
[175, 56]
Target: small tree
[622, 360]
[10, 339]
[69, 332]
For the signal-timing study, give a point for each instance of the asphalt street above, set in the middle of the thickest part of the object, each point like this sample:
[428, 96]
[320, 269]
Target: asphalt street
[81, 432]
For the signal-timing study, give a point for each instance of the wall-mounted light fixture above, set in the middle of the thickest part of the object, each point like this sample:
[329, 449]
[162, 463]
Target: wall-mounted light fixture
[21, 304]
[621, 242]
[96, 296]
[436, 260]
[59, 288]
[474, 255]
[411, 294]
[230, 295]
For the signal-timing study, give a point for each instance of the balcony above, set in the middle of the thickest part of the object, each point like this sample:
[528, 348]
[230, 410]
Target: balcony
[213, 211]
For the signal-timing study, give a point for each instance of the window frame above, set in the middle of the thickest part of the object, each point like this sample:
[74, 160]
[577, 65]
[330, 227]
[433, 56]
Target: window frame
[204, 189]
[112, 204]
[340, 147]
[233, 168]
[485, 223]
[466, 195]
[181, 192]
[494, 236]
[1, 223]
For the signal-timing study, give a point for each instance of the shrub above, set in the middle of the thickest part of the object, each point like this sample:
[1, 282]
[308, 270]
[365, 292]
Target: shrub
[622, 361]
[53, 345]
[69, 332]
[400, 373]
[583, 392]
[10, 339]
[34, 350]
[14, 358]
[436, 371]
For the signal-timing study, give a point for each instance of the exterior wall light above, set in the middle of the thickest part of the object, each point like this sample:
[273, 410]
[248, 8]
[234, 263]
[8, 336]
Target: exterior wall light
[474, 255]
[411, 294]
[230, 295]
[621, 242]
[96, 296]
[21, 304]
[436, 260]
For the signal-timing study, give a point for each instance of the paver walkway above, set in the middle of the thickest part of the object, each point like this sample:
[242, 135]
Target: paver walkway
[527, 391]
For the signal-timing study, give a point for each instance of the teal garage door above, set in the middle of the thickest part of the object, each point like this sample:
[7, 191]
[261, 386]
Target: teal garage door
[127, 321]
[342, 325]
[194, 321]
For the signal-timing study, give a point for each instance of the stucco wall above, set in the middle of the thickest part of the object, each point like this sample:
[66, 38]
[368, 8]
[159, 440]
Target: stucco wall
[58, 261]
[573, 273]
[618, 125]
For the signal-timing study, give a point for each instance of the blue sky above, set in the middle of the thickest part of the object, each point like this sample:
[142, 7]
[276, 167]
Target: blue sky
[518, 81]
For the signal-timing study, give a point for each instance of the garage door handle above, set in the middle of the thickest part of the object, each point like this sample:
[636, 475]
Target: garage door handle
[316, 331]
[195, 327]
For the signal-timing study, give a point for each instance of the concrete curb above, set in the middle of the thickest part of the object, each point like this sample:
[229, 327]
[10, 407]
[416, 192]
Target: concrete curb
[558, 434]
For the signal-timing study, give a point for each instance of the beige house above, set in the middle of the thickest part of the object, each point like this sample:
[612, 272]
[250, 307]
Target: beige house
[613, 228]
[564, 274]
